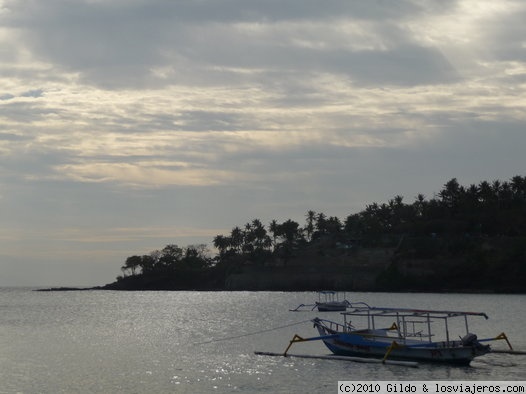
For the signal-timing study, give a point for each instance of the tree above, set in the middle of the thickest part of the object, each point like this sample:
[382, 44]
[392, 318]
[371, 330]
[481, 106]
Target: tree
[132, 263]
[248, 239]
[261, 238]
[195, 258]
[309, 228]
[171, 255]
[321, 223]
[333, 226]
[273, 228]
[419, 205]
[236, 239]
[221, 243]
[148, 262]
[353, 226]
[450, 194]
[486, 193]
[472, 197]
[372, 221]
[518, 186]
[288, 230]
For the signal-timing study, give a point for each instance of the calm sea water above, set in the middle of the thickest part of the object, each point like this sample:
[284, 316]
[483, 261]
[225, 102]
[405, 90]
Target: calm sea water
[204, 342]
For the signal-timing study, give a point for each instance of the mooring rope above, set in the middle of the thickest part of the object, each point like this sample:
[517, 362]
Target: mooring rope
[253, 333]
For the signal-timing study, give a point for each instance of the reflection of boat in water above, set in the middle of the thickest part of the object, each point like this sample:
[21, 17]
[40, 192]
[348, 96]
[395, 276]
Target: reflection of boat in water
[401, 334]
[328, 301]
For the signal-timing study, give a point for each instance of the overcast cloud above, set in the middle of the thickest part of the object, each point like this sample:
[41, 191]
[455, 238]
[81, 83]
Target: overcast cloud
[126, 125]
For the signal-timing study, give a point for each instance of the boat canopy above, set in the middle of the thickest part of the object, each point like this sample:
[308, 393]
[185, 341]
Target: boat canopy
[362, 310]
[416, 323]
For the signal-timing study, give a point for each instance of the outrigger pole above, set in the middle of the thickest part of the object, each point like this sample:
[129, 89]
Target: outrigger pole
[411, 364]
[510, 351]
[298, 338]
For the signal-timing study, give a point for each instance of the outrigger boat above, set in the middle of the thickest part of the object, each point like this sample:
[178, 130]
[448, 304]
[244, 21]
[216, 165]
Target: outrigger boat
[409, 335]
[328, 301]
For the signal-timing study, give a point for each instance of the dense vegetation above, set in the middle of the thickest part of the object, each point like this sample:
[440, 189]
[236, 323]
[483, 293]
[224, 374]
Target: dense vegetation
[464, 238]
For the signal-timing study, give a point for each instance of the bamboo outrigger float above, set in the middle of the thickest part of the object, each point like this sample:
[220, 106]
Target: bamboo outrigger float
[409, 336]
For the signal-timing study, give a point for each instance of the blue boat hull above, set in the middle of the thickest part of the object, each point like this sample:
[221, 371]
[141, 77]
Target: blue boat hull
[363, 345]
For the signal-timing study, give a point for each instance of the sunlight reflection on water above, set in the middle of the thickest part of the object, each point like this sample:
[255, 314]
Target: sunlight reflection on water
[196, 342]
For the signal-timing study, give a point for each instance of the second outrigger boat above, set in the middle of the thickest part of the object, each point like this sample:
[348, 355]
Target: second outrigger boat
[328, 301]
[408, 335]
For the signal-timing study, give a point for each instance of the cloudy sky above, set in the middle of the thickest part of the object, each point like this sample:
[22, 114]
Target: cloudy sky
[126, 125]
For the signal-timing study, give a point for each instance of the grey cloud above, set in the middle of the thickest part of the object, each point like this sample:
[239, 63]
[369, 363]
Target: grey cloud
[471, 151]
[12, 137]
[408, 65]
[117, 44]
[209, 120]
[504, 35]
[510, 48]
[36, 160]
[7, 96]
[33, 93]
[26, 112]
[227, 10]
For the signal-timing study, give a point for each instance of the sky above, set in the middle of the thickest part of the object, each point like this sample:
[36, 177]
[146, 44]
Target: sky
[127, 125]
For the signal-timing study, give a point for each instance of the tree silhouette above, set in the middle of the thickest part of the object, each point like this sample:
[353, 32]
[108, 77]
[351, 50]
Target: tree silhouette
[455, 222]
[309, 228]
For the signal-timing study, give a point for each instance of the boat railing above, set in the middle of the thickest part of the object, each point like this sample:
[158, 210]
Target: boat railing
[332, 326]
[412, 329]
[419, 334]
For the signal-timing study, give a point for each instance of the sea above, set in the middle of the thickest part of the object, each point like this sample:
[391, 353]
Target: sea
[205, 342]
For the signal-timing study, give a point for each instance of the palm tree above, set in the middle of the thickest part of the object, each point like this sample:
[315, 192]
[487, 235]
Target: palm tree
[496, 187]
[518, 184]
[333, 226]
[309, 229]
[450, 194]
[248, 238]
[485, 193]
[506, 194]
[353, 225]
[419, 205]
[236, 238]
[321, 223]
[274, 228]
[261, 239]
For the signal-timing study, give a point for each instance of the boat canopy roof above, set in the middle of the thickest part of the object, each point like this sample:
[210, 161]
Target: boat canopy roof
[408, 312]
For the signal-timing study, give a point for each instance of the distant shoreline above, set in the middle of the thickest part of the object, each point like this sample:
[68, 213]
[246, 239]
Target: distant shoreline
[71, 288]
[445, 291]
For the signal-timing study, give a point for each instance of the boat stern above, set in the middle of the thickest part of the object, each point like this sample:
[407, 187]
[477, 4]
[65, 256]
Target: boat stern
[478, 349]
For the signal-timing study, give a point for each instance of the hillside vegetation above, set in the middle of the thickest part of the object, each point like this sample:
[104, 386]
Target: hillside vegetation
[465, 238]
